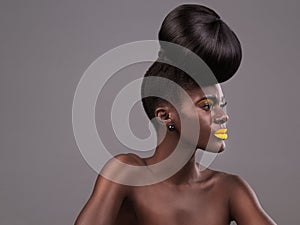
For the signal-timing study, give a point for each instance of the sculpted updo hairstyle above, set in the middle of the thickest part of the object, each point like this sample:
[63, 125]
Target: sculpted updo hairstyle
[201, 30]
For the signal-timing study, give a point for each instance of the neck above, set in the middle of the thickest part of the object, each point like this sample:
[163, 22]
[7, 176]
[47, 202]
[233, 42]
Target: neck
[189, 173]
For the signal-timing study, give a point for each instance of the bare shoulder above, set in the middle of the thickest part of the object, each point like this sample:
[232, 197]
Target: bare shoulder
[110, 191]
[222, 177]
[116, 171]
[244, 204]
[236, 186]
[231, 179]
[131, 159]
[119, 168]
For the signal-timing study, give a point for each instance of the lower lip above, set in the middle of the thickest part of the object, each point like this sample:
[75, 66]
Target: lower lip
[221, 136]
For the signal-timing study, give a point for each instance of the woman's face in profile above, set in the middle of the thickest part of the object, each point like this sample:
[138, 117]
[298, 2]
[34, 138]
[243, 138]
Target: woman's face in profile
[209, 105]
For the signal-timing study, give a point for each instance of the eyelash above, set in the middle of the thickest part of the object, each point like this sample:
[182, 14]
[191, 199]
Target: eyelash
[210, 105]
[207, 104]
[225, 103]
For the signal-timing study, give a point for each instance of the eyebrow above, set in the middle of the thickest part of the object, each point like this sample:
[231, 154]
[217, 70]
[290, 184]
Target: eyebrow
[213, 98]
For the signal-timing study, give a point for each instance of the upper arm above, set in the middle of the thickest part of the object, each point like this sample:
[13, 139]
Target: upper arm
[103, 204]
[106, 199]
[244, 204]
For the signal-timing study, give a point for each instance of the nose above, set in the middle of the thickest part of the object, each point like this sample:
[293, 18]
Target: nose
[221, 117]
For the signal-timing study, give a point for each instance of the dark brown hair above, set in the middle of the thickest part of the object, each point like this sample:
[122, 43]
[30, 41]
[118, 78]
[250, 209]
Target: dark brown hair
[201, 30]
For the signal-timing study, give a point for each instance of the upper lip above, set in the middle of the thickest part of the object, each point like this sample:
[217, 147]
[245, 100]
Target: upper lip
[222, 130]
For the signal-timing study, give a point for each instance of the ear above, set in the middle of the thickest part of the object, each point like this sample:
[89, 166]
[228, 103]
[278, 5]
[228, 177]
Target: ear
[163, 114]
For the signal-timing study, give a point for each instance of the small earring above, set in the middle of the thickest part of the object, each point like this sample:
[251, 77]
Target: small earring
[171, 127]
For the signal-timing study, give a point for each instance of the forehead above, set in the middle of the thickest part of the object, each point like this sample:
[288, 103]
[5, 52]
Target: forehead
[211, 90]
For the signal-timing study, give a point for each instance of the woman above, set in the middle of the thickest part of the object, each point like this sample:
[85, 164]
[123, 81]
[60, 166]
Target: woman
[193, 194]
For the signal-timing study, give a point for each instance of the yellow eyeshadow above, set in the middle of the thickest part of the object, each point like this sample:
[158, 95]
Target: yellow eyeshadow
[206, 100]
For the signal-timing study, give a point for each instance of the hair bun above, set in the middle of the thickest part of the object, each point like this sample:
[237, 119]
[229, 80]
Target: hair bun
[202, 31]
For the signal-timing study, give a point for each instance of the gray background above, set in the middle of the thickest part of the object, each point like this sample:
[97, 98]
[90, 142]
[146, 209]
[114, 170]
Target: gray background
[47, 45]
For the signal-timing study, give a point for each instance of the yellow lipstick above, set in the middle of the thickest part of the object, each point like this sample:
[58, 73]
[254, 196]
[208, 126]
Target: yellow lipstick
[221, 133]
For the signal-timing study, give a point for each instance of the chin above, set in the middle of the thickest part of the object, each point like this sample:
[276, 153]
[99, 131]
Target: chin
[221, 149]
[215, 147]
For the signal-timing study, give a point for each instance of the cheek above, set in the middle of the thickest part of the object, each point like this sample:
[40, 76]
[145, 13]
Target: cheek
[205, 119]
[205, 125]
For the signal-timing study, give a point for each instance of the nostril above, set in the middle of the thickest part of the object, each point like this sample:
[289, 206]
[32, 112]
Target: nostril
[227, 118]
[222, 119]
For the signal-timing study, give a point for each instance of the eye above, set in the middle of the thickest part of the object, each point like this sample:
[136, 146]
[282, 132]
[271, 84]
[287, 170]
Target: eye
[224, 104]
[206, 104]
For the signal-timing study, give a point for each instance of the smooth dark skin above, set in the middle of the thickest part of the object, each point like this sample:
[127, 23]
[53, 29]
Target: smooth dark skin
[192, 196]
